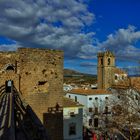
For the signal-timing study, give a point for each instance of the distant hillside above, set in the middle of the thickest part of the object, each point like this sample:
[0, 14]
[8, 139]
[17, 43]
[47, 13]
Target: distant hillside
[69, 72]
[72, 76]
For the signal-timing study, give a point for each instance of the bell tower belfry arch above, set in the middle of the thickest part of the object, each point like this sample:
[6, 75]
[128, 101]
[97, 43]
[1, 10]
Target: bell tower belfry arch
[106, 64]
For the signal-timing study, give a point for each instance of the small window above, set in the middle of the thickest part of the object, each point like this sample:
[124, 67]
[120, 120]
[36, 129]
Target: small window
[96, 122]
[72, 129]
[41, 82]
[72, 114]
[106, 109]
[106, 98]
[69, 96]
[96, 98]
[90, 109]
[119, 97]
[75, 98]
[101, 61]
[90, 122]
[10, 68]
[90, 98]
[8, 85]
[96, 110]
[108, 61]
[136, 97]
[116, 77]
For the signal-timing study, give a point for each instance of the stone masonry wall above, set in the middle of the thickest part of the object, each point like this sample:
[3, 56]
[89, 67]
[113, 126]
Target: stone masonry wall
[106, 64]
[37, 74]
[8, 59]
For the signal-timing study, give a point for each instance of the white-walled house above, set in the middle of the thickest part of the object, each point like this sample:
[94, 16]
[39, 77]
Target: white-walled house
[67, 87]
[95, 103]
[72, 120]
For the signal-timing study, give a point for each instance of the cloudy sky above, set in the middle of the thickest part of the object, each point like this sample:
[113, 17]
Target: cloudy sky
[79, 27]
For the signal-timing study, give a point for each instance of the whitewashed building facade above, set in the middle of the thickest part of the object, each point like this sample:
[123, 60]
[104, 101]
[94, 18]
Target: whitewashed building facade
[72, 120]
[95, 103]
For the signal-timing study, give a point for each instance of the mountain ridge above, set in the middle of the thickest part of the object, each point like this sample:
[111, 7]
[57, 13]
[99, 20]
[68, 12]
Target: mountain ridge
[71, 72]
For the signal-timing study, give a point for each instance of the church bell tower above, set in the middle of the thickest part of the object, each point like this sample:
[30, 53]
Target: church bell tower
[106, 64]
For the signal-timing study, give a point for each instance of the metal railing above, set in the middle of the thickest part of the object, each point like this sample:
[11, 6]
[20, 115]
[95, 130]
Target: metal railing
[17, 121]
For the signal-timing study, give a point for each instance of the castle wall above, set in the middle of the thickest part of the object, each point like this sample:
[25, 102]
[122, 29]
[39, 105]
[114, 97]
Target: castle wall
[135, 82]
[37, 74]
[8, 59]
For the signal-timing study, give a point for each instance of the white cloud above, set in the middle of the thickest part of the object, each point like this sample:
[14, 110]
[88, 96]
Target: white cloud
[58, 24]
[53, 24]
[88, 64]
[9, 47]
[132, 70]
[123, 43]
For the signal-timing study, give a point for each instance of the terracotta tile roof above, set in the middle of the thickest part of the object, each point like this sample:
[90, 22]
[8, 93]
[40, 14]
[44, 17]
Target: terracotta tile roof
[89, 91]
[119, 71]
[70, 103]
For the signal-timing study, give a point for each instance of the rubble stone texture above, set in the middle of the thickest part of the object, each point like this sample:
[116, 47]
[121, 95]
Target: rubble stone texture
[37, 74]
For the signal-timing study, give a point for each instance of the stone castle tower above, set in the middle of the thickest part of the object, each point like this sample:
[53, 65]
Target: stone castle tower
[37, 74]
[106, 64]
